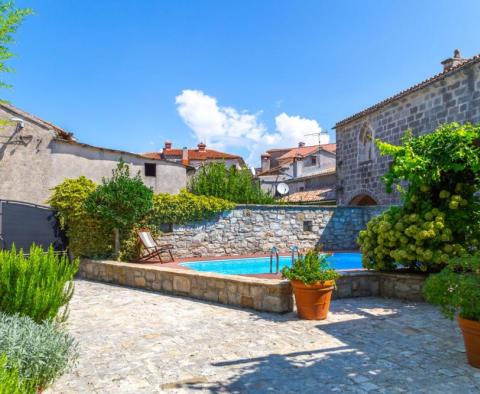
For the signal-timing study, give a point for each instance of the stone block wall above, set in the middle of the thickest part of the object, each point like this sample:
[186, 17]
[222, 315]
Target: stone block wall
[251, 229]
[269, 295]
[254, 293]
[364, 283]
[455, 98]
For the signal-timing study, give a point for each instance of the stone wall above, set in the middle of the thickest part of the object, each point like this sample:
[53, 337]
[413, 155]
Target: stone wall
[251, 229]
[364, 283]
[270, 295]
[255, 293]
[455, 97]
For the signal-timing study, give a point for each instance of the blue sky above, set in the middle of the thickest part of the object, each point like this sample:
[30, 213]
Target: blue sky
[243, 75]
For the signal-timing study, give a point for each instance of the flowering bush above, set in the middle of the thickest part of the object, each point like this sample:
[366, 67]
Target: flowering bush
[87, 236]
[89, 212]
[186, 207]
[440, 217]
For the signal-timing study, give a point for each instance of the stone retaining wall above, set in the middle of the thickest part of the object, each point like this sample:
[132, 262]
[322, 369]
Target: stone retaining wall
[250, 229]
[380, 284]
[260, 294]
[270, 295]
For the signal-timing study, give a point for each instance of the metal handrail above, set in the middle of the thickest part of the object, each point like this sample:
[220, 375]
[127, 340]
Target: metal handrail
[294, 249]
[272, 252]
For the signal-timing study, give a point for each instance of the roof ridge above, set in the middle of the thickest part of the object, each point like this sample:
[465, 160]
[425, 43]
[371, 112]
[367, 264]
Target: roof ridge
[41, 122]
[409, 90]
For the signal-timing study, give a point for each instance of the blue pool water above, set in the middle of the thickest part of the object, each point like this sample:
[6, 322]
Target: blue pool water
[261, 265]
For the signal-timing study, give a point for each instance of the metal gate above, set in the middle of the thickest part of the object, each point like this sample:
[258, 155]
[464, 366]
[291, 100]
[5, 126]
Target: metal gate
[23, 224]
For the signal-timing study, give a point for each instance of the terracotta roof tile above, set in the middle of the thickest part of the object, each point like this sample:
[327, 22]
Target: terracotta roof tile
[271, 171]
[311, 195]
[307, 150]
[193, 154]
[412, 89]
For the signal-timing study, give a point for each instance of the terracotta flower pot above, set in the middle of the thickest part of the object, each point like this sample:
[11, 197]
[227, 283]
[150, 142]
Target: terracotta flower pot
[313, 301]
[471, 337]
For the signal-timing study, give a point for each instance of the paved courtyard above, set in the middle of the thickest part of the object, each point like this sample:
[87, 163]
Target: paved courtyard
[135, 341]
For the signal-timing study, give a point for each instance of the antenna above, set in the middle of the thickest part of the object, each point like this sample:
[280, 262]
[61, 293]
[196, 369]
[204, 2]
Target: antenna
[319, 134]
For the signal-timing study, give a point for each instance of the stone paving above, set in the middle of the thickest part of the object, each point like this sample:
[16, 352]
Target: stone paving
[135, 341]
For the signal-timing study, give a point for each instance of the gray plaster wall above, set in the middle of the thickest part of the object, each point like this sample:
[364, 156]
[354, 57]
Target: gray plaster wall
[32, 161]
[454, 98]
[250, 229]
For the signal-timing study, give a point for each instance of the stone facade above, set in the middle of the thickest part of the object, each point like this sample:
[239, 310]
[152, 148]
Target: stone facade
[451, 96]
[250, 229]
[255, 293]
[35, 158]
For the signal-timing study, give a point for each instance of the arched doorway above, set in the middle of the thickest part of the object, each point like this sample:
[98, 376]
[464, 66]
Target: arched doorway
[363, 200]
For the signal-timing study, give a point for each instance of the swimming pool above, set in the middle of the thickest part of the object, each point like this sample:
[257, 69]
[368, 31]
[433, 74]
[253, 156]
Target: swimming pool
[261, 265]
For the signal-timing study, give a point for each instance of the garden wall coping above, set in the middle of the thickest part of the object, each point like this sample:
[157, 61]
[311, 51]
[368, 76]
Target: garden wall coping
[270, 295]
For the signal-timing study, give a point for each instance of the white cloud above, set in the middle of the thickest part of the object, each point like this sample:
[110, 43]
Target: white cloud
[215, 125]
[229, 128]
[293, 129]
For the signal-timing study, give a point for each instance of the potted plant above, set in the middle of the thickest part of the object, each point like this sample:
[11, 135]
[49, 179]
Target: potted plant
[456, 289]
[313, 281]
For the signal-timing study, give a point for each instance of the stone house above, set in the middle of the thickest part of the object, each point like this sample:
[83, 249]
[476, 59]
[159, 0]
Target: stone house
[453, 95]
[196, 157]
[36, 155]
[309, 172]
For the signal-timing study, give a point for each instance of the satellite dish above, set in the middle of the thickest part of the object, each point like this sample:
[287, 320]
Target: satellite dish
[282, 188]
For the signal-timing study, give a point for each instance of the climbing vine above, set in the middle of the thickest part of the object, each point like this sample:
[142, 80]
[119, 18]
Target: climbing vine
[437, 175]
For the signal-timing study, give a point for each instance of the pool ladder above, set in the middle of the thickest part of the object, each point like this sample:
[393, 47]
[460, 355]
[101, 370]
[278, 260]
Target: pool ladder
[274, 252]
[294, 249]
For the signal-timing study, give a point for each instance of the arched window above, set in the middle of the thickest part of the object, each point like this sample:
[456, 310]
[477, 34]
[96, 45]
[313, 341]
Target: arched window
[365, 144]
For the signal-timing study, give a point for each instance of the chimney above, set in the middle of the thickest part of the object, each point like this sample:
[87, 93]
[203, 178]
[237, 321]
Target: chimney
[297, 166]
[185, 160]
[168, 144]
[265, 162]
[301, 144]
[201, 147]
[454, 61]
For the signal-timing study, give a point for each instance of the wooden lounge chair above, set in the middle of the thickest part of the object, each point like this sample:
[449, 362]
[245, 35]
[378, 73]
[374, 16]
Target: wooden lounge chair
[151, 249]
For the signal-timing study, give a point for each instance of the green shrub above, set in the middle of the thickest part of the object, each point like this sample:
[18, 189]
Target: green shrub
[186, 207]
[37, 285]
[457, 288]
[90, 214]
[10, 381]
[229, 183]
[41, 352]
[440, 216]
[87, 237]
[120, 202]
[310, 268]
